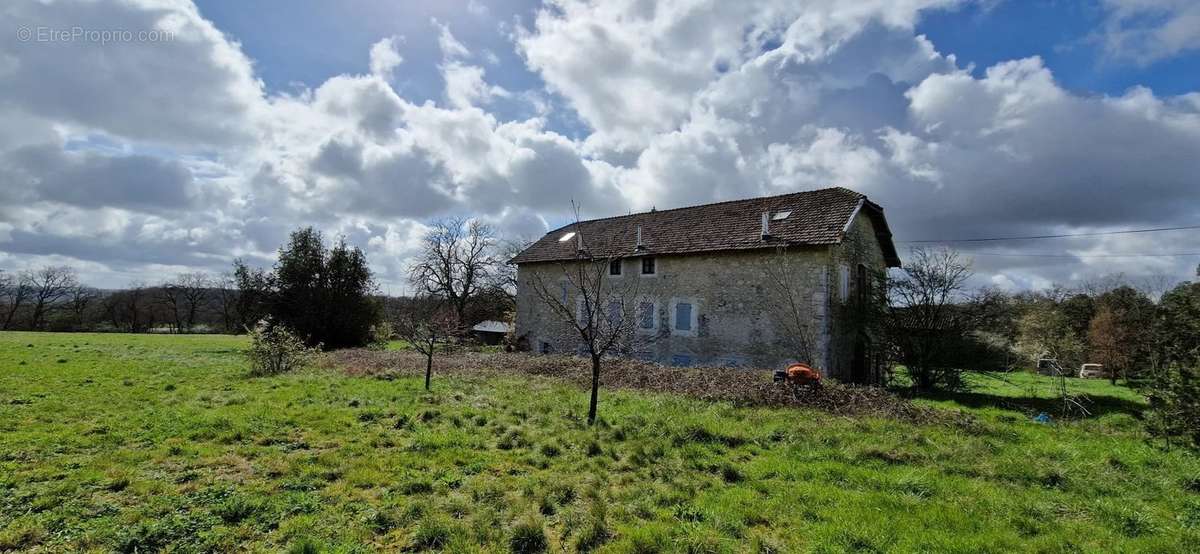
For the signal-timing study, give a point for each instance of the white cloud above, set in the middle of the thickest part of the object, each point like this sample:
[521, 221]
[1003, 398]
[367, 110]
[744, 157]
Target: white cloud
[465, 86]
[1146, 31]
[175, 156]
[195, 90]
[450, 46]
[632, 69]
[385, 56]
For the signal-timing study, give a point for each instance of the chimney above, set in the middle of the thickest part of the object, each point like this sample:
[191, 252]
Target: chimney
[639, 238]
[766, 225]
[579, 242]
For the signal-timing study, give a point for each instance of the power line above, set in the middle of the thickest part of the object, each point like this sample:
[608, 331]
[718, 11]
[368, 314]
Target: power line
[1067, 235]
[1044, 255]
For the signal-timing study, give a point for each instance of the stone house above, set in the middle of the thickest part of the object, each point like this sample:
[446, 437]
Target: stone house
[759, 283]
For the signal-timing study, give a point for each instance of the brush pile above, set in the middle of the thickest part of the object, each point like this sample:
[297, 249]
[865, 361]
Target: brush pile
[744, 387]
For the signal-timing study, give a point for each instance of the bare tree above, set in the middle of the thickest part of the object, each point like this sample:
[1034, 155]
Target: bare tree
[128, 308]
[49, 286]
[505, 276]
[79, 300]
[1046, 333]
[14, 292]
[794, 309]
[425, 322]
[169, 297]
[193, 291]
[602, 313]
[226, 299]
[929, 318]
[457, 260]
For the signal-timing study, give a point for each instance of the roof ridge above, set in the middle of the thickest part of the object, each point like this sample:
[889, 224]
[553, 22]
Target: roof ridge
[656, 211]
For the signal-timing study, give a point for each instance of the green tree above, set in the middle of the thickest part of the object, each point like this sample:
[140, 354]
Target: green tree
[351, 310]
[1178, 326]
[255, 288]
[1078, 311]
[324, 295]
[1174, 413]
[1046, 332]
[1131, 332]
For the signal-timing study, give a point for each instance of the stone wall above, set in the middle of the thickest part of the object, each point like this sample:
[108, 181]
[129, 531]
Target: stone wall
[736, 305]
[847, 329]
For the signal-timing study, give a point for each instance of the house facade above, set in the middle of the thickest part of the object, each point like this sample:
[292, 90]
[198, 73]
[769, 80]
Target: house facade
[758, 283]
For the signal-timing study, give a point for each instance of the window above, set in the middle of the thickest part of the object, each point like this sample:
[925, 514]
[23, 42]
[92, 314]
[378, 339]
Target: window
[614, 267]
[863, 284]
[614, 314]
[646, 315]
[843, 283]
[780, 216]
[683, 316]
[647, 266]
[544, 348]
[566, 237]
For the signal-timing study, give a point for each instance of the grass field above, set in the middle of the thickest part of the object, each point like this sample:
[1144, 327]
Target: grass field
[145, 443]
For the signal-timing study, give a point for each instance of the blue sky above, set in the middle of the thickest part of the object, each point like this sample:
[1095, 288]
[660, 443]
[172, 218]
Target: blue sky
[131, 160]
[309, 41]
[1063, 34]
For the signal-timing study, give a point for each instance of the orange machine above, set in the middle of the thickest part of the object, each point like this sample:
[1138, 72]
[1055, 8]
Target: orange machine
[801, 374]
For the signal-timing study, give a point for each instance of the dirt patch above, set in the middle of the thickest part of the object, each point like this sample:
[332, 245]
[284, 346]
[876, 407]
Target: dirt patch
[740, 386]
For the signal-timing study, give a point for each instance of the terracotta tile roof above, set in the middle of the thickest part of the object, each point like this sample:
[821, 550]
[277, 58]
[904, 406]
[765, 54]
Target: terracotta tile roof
[817, 218]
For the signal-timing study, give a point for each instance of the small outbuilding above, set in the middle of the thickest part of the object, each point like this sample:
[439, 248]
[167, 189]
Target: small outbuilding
[490, 332]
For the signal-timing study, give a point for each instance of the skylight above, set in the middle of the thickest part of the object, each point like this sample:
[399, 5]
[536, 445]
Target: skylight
[780, 216]
[566, 237]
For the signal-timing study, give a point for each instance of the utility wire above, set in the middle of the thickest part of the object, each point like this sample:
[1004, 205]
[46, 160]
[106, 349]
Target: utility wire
[1042, 255]
[1033, 237]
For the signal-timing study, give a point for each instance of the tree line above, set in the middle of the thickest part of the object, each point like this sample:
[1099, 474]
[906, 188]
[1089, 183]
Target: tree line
[937, 328]
[327, 292]
[52, 298]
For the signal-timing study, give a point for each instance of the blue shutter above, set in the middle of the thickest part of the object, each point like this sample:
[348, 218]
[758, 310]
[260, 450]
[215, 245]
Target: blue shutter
[683, 316]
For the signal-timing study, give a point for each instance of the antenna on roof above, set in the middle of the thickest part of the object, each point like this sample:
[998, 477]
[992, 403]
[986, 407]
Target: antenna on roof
[766, 225]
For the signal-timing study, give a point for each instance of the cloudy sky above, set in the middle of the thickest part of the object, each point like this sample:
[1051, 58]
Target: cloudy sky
[141, 138]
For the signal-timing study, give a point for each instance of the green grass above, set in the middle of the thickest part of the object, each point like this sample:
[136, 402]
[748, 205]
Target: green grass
[119, 442]
[1026, 392]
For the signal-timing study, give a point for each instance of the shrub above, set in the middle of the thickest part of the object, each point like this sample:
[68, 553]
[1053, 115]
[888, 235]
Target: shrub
[433, 533]
[234, 510]
[527, 537]
[593, 534]
[275, 349]
[304, 546]
[379, 335]
[1175, 406]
